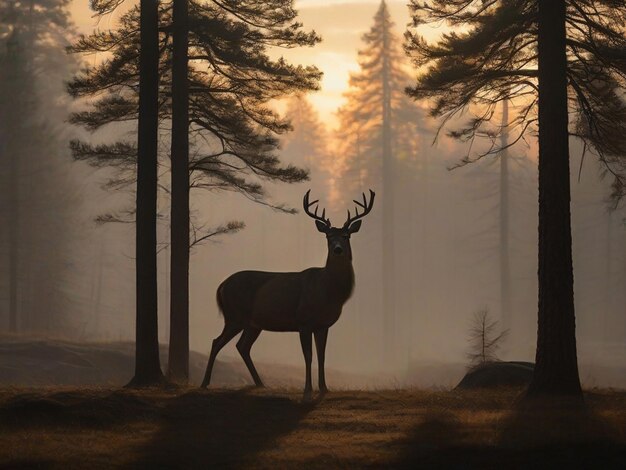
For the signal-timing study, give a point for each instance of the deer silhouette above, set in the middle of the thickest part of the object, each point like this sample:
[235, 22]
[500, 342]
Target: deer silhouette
[308, 302]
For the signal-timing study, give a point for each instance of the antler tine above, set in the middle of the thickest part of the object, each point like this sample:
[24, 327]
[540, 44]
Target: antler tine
[358, 203]
[307, 208]
[367, 207]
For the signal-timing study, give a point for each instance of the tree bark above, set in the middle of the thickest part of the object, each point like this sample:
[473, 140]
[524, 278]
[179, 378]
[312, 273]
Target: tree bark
[389, 304]
[505, 265]
[147, 363]
[556, 369]
[13, 156]
[178, 364]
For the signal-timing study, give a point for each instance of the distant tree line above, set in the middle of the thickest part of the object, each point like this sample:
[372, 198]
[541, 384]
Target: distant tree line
[38, 198]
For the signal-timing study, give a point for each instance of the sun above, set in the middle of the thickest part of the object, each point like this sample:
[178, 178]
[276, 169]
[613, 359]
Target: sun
[337, 69]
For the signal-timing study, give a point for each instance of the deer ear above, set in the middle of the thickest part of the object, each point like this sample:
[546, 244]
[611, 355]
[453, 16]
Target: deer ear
[322, 227]
[354, 228]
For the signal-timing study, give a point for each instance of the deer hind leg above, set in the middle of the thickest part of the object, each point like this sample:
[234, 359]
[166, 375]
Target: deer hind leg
[244, 345]
[320, 346]
[307, 350]
[229, 332]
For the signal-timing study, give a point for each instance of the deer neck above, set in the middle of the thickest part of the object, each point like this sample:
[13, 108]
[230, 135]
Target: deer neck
[339, 278]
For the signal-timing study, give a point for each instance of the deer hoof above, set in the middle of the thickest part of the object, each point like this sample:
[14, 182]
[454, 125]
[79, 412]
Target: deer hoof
[324, 390]
[308, 396]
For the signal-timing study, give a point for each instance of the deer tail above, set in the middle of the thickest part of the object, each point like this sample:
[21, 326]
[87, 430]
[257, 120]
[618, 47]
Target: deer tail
[220, 300]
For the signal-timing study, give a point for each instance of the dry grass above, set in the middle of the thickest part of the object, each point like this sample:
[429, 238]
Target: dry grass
[100, 428]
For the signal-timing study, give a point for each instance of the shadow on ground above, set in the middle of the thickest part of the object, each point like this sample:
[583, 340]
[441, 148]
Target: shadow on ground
[182, 428]
[193, 429]
[79, 409]
[220, 429]
[534, 437]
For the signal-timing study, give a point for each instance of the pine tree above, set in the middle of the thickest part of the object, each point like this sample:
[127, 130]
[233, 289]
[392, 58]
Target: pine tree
[305, 146]
[533, 52]
[233, 131]
[378, 133]
[147, 361]
[35, 190]
[178, 361]
[505, 265]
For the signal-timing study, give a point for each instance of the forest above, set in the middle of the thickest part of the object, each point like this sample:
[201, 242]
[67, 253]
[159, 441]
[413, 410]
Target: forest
[307, 233]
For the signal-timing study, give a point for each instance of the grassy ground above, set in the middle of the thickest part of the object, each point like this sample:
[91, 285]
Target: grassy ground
[96, 428]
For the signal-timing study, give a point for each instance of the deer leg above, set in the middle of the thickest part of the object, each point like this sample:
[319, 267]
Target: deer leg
[244, 345]
[229, 332]
[320, 346]
[307, 350]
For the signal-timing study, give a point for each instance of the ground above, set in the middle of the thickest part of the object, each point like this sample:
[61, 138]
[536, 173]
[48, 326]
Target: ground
[272, 428]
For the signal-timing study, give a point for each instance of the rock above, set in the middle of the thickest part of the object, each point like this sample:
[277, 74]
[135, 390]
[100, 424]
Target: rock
[497, 374]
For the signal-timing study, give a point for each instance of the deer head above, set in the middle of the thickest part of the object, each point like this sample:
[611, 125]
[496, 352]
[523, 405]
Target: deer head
[339, 238]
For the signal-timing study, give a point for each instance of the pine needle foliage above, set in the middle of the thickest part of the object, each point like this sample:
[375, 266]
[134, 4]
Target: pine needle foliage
[382, 66]
[234, 132]
[485, 338]
[490, 55]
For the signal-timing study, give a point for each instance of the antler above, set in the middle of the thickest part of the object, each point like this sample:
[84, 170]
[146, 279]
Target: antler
[367, 207]
[307, 206]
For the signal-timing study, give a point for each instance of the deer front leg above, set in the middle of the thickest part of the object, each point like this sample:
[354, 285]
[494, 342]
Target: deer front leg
[307, 350]
[320, 345]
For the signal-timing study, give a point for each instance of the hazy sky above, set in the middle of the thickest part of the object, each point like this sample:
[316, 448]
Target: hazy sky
[340, 23]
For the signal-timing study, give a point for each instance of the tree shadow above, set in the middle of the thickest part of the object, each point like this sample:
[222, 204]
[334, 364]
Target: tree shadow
[220, 429]
[528, 437]
[79, 408]
[557, 433]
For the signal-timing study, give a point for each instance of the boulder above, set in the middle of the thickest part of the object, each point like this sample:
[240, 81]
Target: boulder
[497, 374]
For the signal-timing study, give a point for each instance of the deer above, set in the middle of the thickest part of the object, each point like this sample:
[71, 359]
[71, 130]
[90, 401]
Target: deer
[308, 302]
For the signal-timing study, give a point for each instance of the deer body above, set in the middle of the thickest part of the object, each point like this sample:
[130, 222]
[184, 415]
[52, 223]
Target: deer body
[312, 298]
[308, 302]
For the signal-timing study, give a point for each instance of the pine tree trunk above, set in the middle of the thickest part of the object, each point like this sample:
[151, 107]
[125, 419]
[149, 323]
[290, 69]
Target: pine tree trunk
[556, 369]
[505, 269]
[389, 306]
[147, 363]
[178, 365]
[12, 154]
[608, 281]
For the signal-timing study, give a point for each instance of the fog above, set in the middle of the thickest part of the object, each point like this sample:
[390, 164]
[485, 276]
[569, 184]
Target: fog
[446, 269]
[445, 249]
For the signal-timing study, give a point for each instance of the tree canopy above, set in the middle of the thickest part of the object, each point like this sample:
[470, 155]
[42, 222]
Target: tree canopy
[233, 77]
[490, 55]
[382, 78]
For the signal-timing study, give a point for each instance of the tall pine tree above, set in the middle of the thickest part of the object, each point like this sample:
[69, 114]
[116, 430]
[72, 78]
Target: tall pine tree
[305, 146]
[550, 58]
[147, 361]
[377, 134]
[178, 361]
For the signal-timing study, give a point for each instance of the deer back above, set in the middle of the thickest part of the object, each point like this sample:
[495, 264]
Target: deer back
[285, 301]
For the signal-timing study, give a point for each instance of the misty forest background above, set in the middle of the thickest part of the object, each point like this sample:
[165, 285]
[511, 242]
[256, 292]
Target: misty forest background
[439, 245]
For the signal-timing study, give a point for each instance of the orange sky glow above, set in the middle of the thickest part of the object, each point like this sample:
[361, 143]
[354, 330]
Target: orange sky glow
[340, 23]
